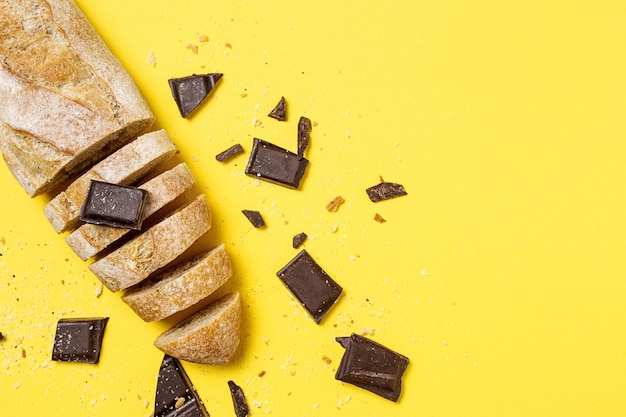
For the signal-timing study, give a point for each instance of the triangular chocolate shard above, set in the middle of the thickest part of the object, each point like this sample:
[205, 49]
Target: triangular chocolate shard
[175, 394]
[190, 91]
[280, 111]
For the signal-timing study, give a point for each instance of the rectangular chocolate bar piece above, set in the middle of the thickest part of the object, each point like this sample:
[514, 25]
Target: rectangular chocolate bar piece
[371, 366]
[114, 205]
[275, 164]
[310, 284]
[79, 340]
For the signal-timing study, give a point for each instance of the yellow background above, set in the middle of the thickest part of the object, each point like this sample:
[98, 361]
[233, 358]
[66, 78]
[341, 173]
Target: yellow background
[501, 275]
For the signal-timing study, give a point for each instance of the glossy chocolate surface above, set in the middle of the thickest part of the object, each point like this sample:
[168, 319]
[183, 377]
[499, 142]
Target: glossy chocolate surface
[114, 205]
[239, 400]
[190, 91]
[79, 340]
[275, 164]
[254, 217]
[280, 111]
[175, 394]
[310, 284]
[229, 153]
[385, 191]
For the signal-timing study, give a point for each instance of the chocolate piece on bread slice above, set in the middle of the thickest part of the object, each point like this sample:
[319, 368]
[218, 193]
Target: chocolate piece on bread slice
[210, 336]
[155, 248]
[123, 167]
[65, 100]
[89, 239]
[181, 287]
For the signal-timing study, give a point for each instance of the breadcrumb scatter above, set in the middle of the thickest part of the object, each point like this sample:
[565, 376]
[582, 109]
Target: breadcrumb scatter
[243, 95]
[203, 38]
[98, 291]
[262, 374]
[379, 218]
[151, 59]
[192, 47]
[228, 45]
[343, 401]
[326, 359]
[335, 203]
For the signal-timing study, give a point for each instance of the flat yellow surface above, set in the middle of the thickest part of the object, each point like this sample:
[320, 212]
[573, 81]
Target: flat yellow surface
[501, 275]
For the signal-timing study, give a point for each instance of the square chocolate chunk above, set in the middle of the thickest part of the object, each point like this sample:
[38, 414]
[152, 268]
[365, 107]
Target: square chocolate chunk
[275, 164]
[310, 284]
[78, 340]
[114, 205]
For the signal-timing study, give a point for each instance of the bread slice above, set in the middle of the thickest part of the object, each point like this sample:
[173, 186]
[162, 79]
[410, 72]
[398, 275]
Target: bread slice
[155, 248]
[123, 167]
[65, 100]
[89, 239]
[210, 336]
[182, 287]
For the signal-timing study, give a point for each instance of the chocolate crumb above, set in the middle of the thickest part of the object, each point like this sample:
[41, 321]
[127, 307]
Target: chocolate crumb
[255, 218]
[298, 240]
[279, 112]
[379, 218]
[229, 153]
[304, 129]
[262, 374]
[385, 191]
[239, 400]
[334, 205]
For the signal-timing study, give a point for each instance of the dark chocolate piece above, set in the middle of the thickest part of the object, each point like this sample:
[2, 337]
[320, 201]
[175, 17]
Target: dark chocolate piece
[255, 218]
[190, 91]
[1, 336]
[275, 164]
[114, 205]
[229, 153]
[298, 240]
[385, 191]
[371, 366]
[304, 129]
[79, 340]
[280, 111]
[239, 400]
[175, 394]
[310, 284]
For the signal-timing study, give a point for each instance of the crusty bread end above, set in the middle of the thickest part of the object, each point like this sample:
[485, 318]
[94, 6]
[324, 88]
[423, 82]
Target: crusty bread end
[210, 336]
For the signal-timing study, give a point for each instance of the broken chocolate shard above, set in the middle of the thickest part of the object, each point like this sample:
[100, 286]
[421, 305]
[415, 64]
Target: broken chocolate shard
[79, 340]
[279, 112]
[114, 205]
[190, 91]
[229, 153]
[385, 191]
[239, 400]
[1, 336]
[371, 366]
[304, 130]
[298, 240]
[254, 217]
[175, 394]
[310, 284]
[275, 164]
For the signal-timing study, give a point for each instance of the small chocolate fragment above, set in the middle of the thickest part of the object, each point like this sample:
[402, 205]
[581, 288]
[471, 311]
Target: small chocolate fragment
[310, 284]
[239, 400]
[280, 111]
[190, 91]
[1, 336]
[114, 205]
[275, 164]
[298, 240]
[255, 218]
[371, 366]
[79, 340]
[229, 153]
[385, 191]
[304, 129]
[175, 394]
[334, 205]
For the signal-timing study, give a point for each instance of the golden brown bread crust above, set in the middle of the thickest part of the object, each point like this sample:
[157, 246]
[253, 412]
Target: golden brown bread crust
[210, 336]
[154, 248]
[65, 100]
[182, 287]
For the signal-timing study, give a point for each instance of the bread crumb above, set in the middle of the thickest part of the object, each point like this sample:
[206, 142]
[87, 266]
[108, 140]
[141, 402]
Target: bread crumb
[327, 359]
[262, 374]
[256, 122]
[379, 218]
[179, 402]
[228, 45]
[203, 38]
[334, 228]
[151, 59]
[335, 203]
[314, 123]
[368, 331]
[192, 47]
[243, 95]
[343, 401]
[98, 292]
[424, 272]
